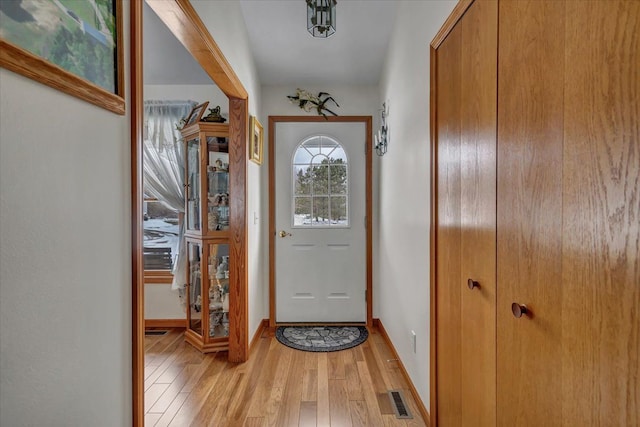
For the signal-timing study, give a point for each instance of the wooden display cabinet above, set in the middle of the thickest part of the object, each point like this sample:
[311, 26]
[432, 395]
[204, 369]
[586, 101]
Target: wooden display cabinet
[207, 295]
[207, 180]
[207, 236]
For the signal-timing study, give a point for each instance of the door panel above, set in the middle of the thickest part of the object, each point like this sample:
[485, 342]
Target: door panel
[466, 161]
[530, 122]
[320, 271]
[478, 213]
[448, 268]
[601, 236]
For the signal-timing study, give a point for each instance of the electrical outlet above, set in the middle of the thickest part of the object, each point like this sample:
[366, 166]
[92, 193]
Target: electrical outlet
[413, 341]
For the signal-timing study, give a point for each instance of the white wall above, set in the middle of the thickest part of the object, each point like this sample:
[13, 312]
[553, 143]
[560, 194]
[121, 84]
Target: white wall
[226, 24]
[353, 100]
[65, 259]
[161, 302]
[402, 252]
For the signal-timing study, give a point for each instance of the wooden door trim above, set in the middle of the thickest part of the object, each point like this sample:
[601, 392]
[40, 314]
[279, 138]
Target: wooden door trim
[367, 120]
[239, 312]
[137, 267]
[455, 16]
[433, 241]
[184, 23]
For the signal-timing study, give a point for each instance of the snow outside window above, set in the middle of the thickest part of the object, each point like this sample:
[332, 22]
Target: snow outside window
[320, 184]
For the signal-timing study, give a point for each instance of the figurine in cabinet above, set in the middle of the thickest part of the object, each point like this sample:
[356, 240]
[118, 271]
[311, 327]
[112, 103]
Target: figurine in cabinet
[213, 220]
[221, 199]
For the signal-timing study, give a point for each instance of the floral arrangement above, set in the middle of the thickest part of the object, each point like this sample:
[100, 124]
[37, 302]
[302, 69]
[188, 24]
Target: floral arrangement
[307, 101]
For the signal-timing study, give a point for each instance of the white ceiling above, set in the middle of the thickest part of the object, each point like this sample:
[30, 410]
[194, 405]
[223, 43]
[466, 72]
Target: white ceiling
[284, 52]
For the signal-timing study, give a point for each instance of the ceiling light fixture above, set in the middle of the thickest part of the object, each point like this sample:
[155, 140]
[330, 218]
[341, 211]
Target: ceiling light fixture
[321, 17]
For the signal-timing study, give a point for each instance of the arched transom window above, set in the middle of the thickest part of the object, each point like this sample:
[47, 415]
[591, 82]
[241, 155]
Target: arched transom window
[320, 184]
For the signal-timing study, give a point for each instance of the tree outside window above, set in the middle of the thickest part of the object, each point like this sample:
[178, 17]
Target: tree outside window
[320, 177]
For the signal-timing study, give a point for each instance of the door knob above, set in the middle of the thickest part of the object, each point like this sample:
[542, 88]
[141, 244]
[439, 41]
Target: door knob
[473, 284]
[284, 234]
[519, 310]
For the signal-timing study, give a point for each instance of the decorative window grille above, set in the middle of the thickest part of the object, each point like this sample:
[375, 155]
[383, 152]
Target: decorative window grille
[320, 184]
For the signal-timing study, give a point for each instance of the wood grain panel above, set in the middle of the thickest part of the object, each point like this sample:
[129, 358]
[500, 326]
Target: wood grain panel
[310, 385]
[289, 414]
[151, 419]
[261, 397]
[359, 413]
[324, 416]
[601, 236]
[369, 395]
[354, 386]
[336, 366]
[137, 266]
[447, 264]
[308, 414]
[168, 415]
[478, 213]
[201, 390]
[452, 20]
[238, 298]
[339, 403]
[255, 422]
[530, 122]
[239, 408]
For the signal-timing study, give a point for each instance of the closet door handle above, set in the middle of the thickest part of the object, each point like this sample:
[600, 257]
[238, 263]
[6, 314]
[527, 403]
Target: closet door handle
[519, 310]
[473, 284]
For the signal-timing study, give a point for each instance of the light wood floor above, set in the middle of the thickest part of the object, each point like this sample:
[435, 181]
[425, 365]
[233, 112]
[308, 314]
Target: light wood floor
[277, 387]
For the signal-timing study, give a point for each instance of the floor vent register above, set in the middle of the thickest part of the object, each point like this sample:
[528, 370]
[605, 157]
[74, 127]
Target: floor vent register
[155, 332]
[399, 405]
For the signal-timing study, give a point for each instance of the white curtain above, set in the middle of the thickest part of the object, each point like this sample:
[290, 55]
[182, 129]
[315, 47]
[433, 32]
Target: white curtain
[164, 168]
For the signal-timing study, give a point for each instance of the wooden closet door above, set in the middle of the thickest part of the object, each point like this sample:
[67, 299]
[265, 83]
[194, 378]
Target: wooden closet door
[448, 231]
[601, 219]
[529, 211]
[465, 242]
[478, 213]
[568, 213]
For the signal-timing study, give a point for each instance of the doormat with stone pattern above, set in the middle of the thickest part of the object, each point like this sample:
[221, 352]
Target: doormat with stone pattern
[321, 338]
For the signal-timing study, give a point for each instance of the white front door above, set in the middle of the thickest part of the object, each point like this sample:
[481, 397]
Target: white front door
[320, 204]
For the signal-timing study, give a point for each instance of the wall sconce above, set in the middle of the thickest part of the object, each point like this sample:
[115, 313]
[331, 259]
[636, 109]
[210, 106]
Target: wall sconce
[381, 138]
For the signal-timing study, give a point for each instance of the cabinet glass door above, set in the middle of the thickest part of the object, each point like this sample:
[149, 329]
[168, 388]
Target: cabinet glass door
[194, 254]
[193, 184]
[218, 183]
[218, 269]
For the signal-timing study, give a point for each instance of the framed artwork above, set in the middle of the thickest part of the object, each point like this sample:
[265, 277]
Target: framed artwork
[255, 145]
[73, 46]
[196, 113]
